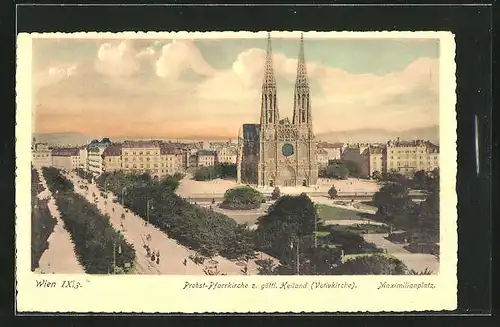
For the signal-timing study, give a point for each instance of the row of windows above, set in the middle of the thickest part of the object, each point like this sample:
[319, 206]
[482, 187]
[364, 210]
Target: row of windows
[141, 153]
[435, 157]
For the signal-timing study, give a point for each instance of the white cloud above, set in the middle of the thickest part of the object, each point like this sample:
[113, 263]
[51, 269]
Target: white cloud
[54, 74]
[178, 56]
[117, 59]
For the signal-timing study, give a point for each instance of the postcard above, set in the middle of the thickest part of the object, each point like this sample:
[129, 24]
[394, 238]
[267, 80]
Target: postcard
[236, 172]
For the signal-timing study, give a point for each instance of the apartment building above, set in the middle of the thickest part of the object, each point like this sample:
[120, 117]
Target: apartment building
[41, 155]
[112, 158]
[172, 160]
[334, 150]
[205, 158]
[227, 154]
[377, 161]
[66, 159]
[358, 153]
[141, 157]
[407, 157]
[322, 157]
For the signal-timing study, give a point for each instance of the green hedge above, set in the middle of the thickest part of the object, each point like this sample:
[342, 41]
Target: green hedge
[200, 229]
[91, 232]
[242, 198]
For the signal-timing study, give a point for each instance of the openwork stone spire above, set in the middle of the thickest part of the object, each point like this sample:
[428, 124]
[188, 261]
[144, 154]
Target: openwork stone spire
[302, 106]
[269, 111]
[302, 80]
[269, 79]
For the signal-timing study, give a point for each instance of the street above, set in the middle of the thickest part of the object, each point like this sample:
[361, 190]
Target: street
[172, 254]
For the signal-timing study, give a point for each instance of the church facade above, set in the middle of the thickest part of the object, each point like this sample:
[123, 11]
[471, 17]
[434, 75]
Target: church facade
[279, 152]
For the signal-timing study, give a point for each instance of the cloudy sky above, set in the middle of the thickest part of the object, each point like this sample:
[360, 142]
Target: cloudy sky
[207, 88]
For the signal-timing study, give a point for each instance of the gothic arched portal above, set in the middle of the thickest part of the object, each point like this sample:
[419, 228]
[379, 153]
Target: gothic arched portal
[287, 176]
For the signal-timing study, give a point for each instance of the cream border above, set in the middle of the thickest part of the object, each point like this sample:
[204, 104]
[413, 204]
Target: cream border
[151, 294]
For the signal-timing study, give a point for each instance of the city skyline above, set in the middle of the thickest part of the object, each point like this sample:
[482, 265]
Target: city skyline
[205, 89]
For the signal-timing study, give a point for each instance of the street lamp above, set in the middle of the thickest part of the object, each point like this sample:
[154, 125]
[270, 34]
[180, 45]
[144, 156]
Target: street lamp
[114, 252]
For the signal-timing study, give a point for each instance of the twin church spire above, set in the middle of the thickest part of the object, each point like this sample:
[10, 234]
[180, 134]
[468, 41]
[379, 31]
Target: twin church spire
[301, 108]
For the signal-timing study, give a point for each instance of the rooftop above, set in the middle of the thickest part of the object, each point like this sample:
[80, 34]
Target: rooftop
[206, 153]
[66, 152]
[141, 144]
[113, 150]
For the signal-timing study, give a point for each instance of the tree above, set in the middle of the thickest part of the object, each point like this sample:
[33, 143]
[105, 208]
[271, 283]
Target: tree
[205, 173]
[332, 192]
[289, 219]
[336, 169]
[239, 245]
[242, 198]
[419, 179]
[394, 205]
[265, 267]
[276, 193]
[376, 175]
[376, 264]
[353, 168]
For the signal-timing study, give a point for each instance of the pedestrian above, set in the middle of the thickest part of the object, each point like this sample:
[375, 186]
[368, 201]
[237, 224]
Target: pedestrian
[158, 261]
[185, 262]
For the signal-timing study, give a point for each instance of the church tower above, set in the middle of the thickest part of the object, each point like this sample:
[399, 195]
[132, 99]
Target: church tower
[269, 118]
[287, 149]
[302, 120]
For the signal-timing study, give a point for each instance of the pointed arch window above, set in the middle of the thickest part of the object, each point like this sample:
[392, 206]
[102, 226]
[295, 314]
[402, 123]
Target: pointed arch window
[303, 116]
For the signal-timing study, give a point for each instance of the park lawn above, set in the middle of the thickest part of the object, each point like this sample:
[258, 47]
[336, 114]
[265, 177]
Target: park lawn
[326, 212]
[357, 255]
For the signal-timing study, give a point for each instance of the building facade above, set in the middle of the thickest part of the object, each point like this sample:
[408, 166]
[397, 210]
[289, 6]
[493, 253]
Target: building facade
[227, 154]
[205, 158]
[408, 157]
[322, 157]
[112, 158]
[66, 159]
[377, 161]
[141, 157]
[287, 150]
[360, 154]
[172, 160]
[41, 155]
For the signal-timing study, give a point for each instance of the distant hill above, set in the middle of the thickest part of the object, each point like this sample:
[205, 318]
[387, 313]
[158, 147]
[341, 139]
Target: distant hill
[65, 138]
[375, 135]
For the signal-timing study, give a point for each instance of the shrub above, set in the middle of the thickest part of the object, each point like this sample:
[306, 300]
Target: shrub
[276, 193]
[351, 243]
[242, 198]
[372, 265]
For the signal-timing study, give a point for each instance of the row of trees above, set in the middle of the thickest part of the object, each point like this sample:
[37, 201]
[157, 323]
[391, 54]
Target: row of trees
[219, 170]
[420, 180]
[340, 169]
[327, 261]
[42, 222]
[98, 246]
[208, 232]
[84, 174]
[419, 220]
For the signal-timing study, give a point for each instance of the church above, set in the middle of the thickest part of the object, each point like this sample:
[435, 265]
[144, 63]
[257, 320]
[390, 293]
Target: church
[279, 152]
